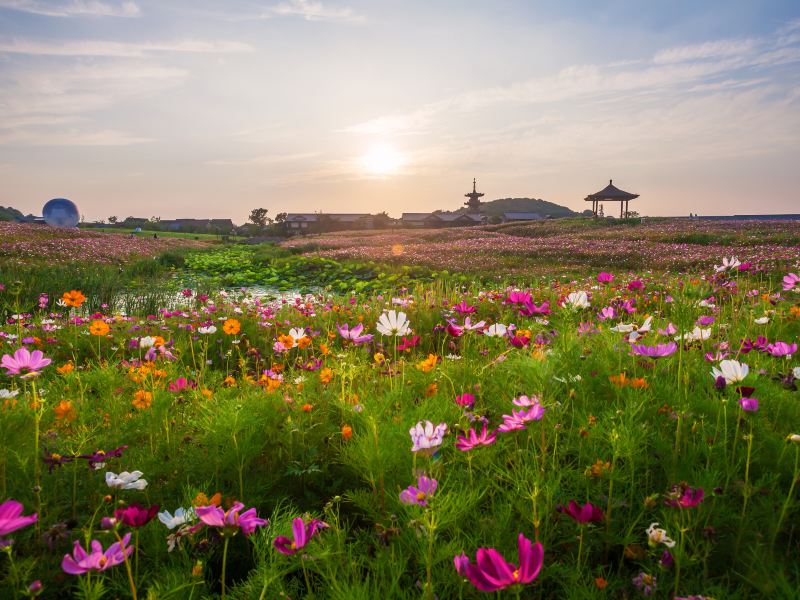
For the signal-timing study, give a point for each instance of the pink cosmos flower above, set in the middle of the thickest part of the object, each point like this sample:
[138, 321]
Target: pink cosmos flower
[670, 329]
[588, 513]
[492, 572]
[526, 401]
[517, 298]
[11, 519]
[420, 494]
[466, 400]
[354, 334]
[518, 419]
[529, 309]
[473, 440]
[781, 349]
[790, 281]
[303, 533]
[463, 308]
[687, 497]
[654, 352]
[230, 521]
[180, 384]
[749, 404]
[427, 438]
[606, 313]
[80, 562]
[24, 363]
[604, 277]
[136, 515]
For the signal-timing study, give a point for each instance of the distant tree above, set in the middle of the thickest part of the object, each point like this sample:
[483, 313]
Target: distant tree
[113, 220]
[258, 216]
[634, 215]
[155, 219]
[600, 212]
[281, 217]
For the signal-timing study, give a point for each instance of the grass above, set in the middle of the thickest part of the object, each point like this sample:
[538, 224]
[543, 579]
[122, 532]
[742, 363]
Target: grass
[210, 237]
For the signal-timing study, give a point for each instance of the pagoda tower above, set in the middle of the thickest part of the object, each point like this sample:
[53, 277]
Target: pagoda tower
[474, 202]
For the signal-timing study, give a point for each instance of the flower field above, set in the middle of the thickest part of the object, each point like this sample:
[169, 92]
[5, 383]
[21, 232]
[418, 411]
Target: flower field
[627, 433]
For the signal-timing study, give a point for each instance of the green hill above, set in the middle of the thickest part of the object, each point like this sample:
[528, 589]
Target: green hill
[9, 214]
[504, 205]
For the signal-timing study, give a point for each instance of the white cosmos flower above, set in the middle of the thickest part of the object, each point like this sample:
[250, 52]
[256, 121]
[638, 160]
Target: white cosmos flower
[732, 370]
[147, 342]
[181, 517]
[8, 394]
[761, 320]
[796, 372]
[496, 330]
[658, 536]
[393, 323]
[577, 300]
[126, 481]
[706, 304]
[727, 263]
[207, 330]
[297, 333]
[696, 335]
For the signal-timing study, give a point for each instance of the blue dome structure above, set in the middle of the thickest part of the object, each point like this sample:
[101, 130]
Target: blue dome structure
[60, 212]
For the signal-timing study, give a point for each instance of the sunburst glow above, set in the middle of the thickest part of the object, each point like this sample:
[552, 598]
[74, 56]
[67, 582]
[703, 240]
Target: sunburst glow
[382, 160]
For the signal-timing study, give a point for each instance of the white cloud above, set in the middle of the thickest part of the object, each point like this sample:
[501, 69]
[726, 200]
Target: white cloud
[315, 11]
[264, 160]
[708, 50]
[106, 137]
[55, 8]
[118, 49]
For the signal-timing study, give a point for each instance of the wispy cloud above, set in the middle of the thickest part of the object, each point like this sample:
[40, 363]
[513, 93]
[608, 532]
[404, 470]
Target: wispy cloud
[314, 11]
[106, 137]
[55, 8]
[265, 160]
[118, 49]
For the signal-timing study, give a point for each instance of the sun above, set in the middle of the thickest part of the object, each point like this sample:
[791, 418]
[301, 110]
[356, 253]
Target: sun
[382, 160]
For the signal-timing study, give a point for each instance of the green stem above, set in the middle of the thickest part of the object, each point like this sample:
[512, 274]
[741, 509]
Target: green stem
[127, 565]
[788, 500]
[225, 563]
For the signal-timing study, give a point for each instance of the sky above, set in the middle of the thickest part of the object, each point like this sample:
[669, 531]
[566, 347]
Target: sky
[194, 108]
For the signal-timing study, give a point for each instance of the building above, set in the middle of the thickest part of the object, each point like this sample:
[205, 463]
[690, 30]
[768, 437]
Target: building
[320, 222]
[515, 217]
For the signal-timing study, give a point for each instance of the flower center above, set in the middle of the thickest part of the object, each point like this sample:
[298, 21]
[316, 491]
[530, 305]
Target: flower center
[515, 575]
[102, 562]
[421, 496]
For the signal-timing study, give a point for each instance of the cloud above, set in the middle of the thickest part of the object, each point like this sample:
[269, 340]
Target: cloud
[708, 50]
[106, 137]
[315, 11]
[118, 49]
[269, 159]
[54, 8]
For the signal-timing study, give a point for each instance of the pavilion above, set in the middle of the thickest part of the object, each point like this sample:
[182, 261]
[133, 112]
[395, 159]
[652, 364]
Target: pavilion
[611, 194]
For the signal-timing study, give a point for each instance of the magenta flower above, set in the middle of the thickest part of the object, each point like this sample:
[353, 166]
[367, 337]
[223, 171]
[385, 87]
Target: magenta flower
[790, 281]
[354, 334]
[686, 497]
[704, 320]
[749, 404]
[463, 308]
[588, 513]
[230, 521]
[24, 363]
[406, 344]
[454, 330]
[670, 329]
[645, 583]
[635, 285]
[781, 349]
[465, 400]
[529, 309]
[136, 515]
[473, 440]
[303, 532]
[80, 562]
[518, 419]
[492, 572]
[419, 495]
[604, 277]
[11, 519]
[654, 352]
[180, 384]
[606, 313]
[518, 298]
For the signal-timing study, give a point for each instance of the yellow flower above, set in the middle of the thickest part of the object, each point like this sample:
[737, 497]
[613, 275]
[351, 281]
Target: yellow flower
[379, 358]
[427, 365]
[325, 375]
[231, 327]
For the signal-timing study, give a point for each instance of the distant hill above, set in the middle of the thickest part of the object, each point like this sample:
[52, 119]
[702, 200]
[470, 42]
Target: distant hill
[543, 207]
[9, 214]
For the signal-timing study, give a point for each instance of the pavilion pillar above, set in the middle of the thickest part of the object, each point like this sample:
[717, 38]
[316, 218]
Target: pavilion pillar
[620, 209]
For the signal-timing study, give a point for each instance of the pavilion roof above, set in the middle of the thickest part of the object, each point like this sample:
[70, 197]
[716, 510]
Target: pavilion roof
[611, 192]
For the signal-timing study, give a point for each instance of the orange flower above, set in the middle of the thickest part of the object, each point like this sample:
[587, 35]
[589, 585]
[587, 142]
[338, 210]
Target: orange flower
[66, 368]
[202, 500]
[73, 298]
[598, 469]
[273, 384]
[618, 380]
[428, 364]
[207, 393]
[324, 349]
[325, 375]
[158, 341]
[304, 342]
[307, 407]
[65, 411]
[600, 583]
[347, 432]
[231, 327]
[431, 390]
[795, 311]
[638, 383]
[286, 340]
[229, 381]
[142, 399]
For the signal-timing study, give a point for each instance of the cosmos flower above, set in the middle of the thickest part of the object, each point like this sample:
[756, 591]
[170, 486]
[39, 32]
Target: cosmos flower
[11, 519]
[749, 404]
[654, 352]
[604, 277]
[420, 494]
[496, 330]
[684, 497]
[577, 300]
[230, 521]
[491, 572]
[181, 517]
[24, 363]
[731, 370]
[790, 281]
[126, 481]
[425, 437]
[354, 334]
[781, 349]
[80, 562]
[392, 323]
[588, 513]
[472, 440]
[209, 330]
[518, 419]
[302, 533]
[656, 536]
[727, 263]
[136, 515]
